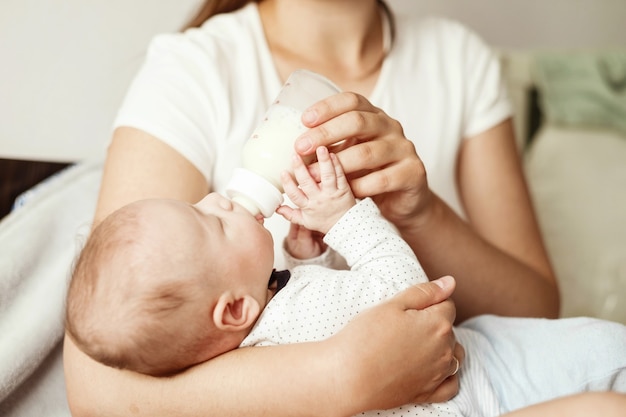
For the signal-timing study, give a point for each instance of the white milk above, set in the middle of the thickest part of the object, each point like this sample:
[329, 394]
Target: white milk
[265, 156]
[257, 186]
[270, 149]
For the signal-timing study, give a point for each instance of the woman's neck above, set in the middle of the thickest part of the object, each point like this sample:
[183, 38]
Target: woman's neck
[341, 39]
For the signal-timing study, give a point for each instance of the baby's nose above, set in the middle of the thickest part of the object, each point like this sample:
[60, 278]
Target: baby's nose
[212, 200]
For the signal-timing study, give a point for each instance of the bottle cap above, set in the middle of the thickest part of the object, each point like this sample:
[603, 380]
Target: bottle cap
[261, 193]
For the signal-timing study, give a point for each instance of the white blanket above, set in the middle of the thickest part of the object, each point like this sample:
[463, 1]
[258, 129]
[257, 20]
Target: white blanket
[38, 244]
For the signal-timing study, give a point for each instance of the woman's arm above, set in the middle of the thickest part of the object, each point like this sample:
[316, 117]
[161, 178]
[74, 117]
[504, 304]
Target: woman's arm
[408, 360]
[497, 255]
[605, 404]
[140, 166]
[373, 363]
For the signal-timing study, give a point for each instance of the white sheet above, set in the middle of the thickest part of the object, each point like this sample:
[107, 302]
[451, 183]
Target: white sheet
[38, 243]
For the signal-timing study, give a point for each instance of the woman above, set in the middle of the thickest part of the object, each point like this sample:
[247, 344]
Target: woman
[179, 134]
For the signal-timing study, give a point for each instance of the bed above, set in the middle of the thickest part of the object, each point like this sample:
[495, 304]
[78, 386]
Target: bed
[576, 172]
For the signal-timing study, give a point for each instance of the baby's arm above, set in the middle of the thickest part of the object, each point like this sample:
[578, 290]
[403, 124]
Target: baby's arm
[372, 246]
[368, 241]
[306, 247]
[364, 237]
[319, 207]
[303, 244]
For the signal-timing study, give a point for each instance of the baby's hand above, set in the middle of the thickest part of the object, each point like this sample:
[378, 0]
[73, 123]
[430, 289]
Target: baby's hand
[302, 243]
[321, 204]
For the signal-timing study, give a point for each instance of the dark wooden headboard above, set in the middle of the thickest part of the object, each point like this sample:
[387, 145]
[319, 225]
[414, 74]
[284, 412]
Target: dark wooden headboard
[17, 176]
[535, 116]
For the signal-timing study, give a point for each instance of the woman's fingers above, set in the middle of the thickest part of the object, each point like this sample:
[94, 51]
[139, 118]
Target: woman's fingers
[425, 295]
[450, 386]
[388, 163]
[444, 392]
[374, 154]
[399, 175]
[366, 141]
[364, 158]
[420, 327]
[459, 352]
[376, 157]
[457, 359]
[331, 107]
[340, 117]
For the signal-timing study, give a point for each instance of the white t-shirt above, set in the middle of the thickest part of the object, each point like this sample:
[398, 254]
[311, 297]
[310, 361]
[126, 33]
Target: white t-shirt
[204, 91]
[318, 301]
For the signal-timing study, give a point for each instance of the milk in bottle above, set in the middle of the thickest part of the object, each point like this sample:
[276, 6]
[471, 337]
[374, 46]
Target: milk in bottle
[268, 152]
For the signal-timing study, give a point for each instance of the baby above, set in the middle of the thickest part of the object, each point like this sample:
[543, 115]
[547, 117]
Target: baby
[162, 285]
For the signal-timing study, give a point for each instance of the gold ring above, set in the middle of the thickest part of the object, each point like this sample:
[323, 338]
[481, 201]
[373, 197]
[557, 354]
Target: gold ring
[458, 365]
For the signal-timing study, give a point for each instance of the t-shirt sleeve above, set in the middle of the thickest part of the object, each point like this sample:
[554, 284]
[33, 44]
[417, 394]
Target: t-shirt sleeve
[168, 99]
[486, 98]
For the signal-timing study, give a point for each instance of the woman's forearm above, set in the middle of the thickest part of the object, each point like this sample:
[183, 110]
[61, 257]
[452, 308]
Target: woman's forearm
[397, 352]
[497, 255]
[605, 404]
[489, 281]
[243, 384]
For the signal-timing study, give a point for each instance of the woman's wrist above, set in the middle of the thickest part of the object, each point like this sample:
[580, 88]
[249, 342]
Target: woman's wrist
[422, 214]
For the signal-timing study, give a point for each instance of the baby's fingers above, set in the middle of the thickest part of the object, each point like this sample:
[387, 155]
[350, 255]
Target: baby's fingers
[341, 179]
[307, 183]
[292, 215]
[328, 175]
[294, 193]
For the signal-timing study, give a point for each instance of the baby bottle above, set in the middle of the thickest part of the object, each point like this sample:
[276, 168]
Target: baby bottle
[257, 185]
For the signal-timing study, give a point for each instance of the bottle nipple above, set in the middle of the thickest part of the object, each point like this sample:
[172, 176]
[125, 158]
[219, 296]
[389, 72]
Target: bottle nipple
[254, 193]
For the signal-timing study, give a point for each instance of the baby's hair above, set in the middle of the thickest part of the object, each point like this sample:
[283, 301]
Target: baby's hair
[118, 314]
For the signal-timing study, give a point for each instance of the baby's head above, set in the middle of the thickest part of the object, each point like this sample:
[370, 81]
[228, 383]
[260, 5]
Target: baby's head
[162, 285]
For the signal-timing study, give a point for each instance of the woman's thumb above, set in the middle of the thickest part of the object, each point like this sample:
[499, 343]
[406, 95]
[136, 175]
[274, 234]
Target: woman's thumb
[421, 296]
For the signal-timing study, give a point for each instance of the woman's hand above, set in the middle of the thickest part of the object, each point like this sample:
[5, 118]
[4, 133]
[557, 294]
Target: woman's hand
[495, 252]
[403, 350]
[376, 156]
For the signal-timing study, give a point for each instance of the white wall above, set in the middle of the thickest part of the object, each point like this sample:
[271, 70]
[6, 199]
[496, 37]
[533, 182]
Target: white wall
[64, 67]
[65, 64]
[534, 23]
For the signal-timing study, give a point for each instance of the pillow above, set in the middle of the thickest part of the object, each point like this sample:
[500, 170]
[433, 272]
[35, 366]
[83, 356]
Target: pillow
[576, 178]
[583, 89]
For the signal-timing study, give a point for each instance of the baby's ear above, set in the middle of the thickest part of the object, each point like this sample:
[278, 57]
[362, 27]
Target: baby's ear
[233, 314]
